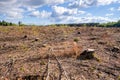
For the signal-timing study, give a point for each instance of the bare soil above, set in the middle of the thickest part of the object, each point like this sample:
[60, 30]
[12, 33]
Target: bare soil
[51, 53]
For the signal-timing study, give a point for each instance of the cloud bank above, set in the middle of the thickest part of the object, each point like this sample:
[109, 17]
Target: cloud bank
[58, 11]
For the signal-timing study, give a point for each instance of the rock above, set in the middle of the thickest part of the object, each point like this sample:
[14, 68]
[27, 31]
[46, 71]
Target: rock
[86, 54]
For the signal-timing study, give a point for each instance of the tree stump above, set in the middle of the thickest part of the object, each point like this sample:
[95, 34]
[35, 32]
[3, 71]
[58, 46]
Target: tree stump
[86, 54]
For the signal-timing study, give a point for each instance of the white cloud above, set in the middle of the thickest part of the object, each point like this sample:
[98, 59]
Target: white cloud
[11, 9]
[35, 14]
[80, 19]
[89, 14]
[58, 11]
[6, 1]
[106, 2]
[16, 8]
[109, 14]
[112, 9]
[42, 14]
[71, 12]
[81, 12]
[88, 3]
[38, 3]
[55, 1]
[118, 8]
[82, 3]
[45, 14]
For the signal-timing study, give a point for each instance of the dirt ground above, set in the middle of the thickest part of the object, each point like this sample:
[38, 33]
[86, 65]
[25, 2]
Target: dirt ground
[50, 53]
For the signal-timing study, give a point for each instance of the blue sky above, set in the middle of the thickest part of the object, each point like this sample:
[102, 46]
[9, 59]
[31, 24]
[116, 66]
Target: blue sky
[42, 12]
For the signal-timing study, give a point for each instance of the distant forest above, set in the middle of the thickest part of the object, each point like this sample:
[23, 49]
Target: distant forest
[5, 23]
[109, 24]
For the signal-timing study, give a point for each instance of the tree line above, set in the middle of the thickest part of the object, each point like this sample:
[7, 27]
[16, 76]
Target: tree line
[109, 24]
[5, 23]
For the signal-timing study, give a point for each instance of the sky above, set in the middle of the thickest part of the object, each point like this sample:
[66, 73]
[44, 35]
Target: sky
[44, 12]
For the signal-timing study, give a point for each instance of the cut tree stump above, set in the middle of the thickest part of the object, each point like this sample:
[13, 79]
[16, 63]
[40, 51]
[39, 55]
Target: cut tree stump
[25, 36]
[87, 54]
[36, 39]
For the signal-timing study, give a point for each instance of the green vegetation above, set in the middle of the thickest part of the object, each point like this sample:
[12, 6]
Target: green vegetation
[76, 39]
[119, 77]
[109, 24]
[5, 23]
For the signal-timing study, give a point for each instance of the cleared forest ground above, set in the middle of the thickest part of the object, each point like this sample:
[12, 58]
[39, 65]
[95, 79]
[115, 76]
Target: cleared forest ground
[51, 53]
